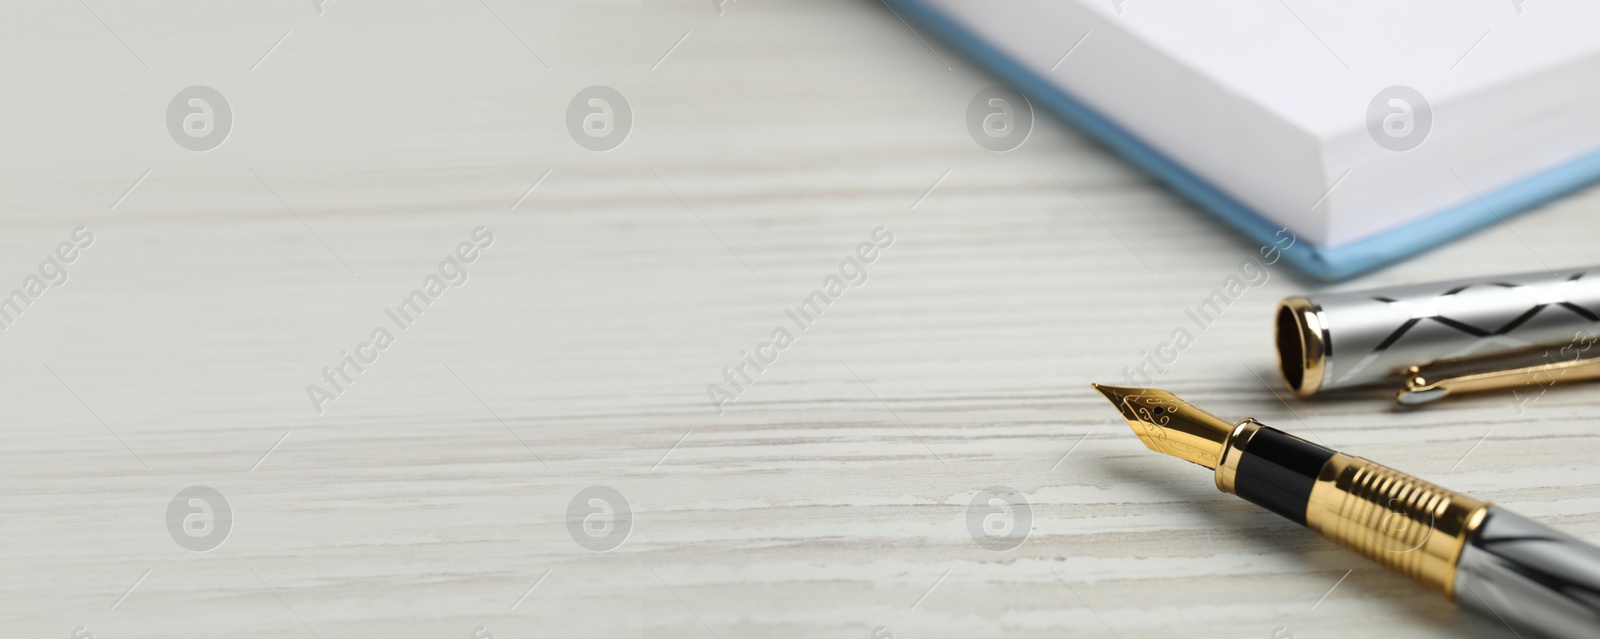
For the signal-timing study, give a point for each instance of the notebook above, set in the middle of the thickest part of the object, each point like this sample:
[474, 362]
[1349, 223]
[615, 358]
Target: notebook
[1372, 130]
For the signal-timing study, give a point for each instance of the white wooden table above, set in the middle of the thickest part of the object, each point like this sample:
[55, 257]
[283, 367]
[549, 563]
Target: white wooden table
[769, 139]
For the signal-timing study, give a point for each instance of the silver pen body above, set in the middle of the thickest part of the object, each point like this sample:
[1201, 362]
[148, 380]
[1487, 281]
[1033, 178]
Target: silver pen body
[1530, 576]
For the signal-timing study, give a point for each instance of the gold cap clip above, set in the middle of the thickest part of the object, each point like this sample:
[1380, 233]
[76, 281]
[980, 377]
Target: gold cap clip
[1436, 380]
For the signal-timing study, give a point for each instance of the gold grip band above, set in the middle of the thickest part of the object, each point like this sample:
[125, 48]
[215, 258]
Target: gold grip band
[1409, 525]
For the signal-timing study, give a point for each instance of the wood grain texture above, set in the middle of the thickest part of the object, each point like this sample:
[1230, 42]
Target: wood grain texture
[829, 500]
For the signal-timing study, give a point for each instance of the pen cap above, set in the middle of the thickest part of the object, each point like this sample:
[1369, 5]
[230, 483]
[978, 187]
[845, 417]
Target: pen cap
[1340, 340]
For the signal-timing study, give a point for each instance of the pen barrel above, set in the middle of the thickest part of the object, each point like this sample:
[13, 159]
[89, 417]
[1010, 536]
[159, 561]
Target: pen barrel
[1531, 577]
[1341, 340]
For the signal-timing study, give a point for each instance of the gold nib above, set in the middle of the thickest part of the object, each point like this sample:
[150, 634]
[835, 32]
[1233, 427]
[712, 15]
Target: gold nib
[1170, 425]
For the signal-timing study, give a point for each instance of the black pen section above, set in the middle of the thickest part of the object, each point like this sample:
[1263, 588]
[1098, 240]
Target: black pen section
[1277, 471]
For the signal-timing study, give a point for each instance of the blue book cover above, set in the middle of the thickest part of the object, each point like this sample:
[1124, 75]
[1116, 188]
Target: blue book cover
[1328, 263]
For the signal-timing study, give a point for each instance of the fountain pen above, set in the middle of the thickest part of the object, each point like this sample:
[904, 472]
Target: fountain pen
[1490, 560]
